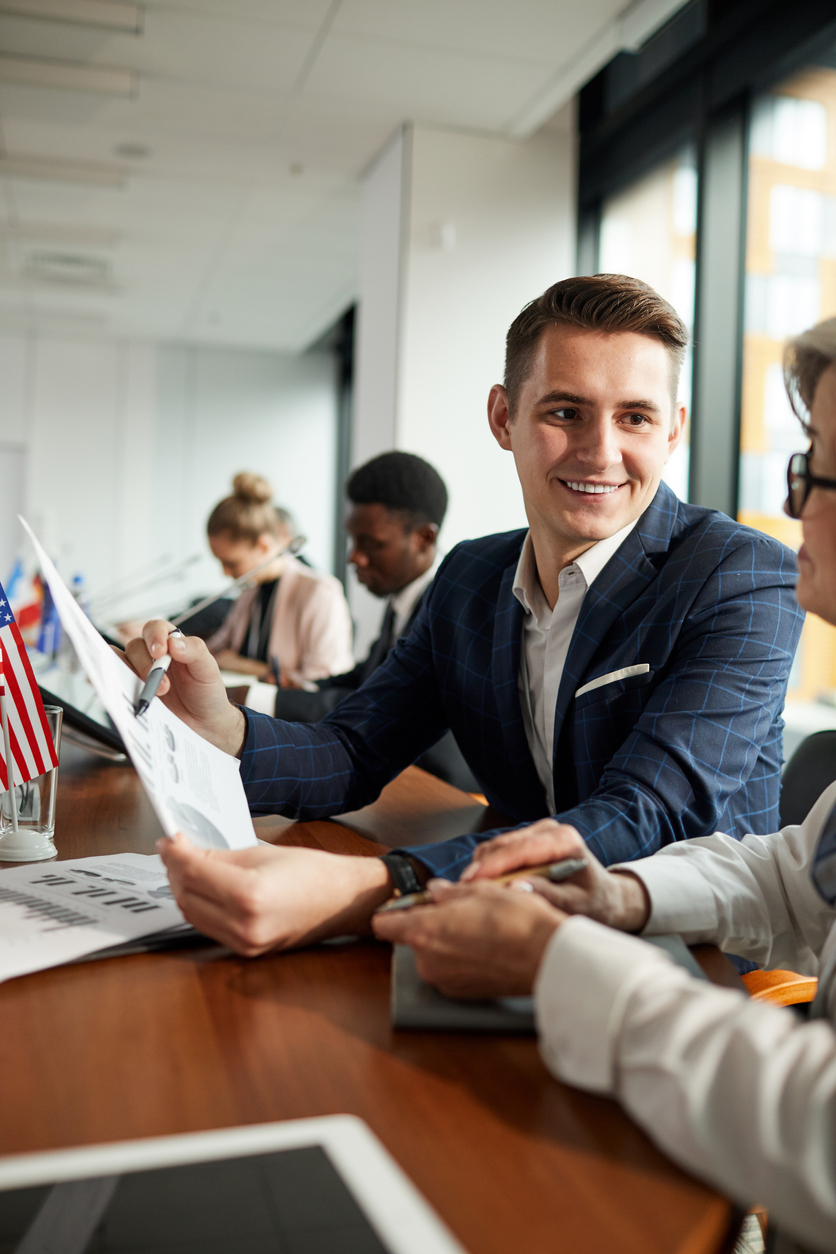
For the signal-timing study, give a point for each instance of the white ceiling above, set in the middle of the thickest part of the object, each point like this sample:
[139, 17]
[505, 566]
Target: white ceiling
[240, 224]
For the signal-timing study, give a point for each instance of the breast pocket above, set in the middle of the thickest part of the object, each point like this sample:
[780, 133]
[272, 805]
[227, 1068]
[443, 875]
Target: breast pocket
[612, 688]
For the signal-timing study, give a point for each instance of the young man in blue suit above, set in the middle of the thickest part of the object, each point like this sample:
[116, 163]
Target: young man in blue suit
[621, 665]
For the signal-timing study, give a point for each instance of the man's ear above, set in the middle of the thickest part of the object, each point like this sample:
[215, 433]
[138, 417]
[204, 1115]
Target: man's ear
[499, 416]
[677, 429]
[426, 534]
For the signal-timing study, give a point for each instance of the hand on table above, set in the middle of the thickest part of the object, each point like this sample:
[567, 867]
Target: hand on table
[475, 940]
[616, 898]
[263, 898]
[192, 689]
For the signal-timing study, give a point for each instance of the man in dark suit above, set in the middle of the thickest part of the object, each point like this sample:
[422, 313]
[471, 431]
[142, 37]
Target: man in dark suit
[397, 506]
[621, 665]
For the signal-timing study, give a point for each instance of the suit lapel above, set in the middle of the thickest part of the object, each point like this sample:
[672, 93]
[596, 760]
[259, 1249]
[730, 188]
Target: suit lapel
[505, 669]
[618, 586]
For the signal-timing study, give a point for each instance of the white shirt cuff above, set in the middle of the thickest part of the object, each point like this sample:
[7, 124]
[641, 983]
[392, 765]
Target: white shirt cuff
[681, 900]
[581, 990]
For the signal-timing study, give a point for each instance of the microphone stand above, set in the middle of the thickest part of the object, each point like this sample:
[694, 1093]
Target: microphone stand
[293, 546]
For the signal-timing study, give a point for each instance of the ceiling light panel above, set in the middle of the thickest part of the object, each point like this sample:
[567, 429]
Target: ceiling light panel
[67, 75]
[103, 14]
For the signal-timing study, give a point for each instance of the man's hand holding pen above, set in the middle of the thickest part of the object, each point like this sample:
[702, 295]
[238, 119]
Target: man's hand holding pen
[192, 687]
[480, 939]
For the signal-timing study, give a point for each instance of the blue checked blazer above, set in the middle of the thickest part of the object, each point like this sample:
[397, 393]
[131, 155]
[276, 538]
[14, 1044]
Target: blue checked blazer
[690, 745]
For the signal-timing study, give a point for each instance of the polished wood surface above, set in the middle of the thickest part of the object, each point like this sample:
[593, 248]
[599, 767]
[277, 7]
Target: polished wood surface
[181, 1041]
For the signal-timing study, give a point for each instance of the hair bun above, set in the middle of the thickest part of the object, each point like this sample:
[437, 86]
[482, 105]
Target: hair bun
[250, 487]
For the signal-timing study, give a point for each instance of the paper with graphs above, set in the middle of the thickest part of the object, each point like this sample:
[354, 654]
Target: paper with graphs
[58, 913]
[193, 786]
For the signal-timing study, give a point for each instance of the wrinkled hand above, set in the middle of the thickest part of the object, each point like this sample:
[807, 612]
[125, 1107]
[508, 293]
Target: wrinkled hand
[263, 898]
[192, 689]
[476, 940]
[616, 898]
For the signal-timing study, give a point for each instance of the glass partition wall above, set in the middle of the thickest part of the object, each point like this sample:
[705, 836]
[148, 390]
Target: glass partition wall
[790, 284]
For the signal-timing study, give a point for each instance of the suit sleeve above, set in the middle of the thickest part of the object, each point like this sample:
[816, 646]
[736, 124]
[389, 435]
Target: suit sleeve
[699, 738]
[313, 770]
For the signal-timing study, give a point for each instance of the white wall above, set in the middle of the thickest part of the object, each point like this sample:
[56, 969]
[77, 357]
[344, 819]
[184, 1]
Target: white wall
[382, 260]
[492, 225]
[485, 225]
[129, 445]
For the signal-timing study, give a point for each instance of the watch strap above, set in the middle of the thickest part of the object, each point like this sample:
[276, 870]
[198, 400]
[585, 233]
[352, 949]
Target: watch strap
[399, 866]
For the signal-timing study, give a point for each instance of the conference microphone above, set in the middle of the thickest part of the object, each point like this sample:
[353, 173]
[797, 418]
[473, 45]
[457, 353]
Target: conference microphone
[293, 546]
[163, 576]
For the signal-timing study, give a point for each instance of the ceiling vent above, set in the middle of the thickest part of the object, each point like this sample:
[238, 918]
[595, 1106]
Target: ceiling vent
[78, 269]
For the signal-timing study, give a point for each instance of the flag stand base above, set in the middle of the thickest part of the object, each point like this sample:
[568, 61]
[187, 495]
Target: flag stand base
[23, 846]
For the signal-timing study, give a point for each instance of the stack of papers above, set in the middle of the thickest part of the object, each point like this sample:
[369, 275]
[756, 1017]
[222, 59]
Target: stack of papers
[59, 913]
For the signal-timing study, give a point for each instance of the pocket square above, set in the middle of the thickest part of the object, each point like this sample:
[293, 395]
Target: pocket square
[641, 668]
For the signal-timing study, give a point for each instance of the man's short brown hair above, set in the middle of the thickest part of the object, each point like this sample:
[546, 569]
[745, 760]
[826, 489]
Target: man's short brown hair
[598, 302]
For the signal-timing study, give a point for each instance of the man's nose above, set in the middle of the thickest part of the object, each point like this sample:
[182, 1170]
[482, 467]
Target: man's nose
[598, 446]
[357, 558]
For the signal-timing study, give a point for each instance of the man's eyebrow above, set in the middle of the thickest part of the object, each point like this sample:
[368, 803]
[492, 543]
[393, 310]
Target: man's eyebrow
[570, 398]
[651, 405]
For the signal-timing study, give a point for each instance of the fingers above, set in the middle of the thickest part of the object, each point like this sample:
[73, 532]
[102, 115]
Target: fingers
[546, 841]
[156, 636]
[140, 660]
[189, 651]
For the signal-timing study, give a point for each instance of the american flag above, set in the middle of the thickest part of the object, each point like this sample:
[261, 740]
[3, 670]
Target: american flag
[29, 734]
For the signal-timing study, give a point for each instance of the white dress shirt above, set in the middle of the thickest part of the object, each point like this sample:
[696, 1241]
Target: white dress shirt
[741, 1092]
[403, 602]
[547, 634]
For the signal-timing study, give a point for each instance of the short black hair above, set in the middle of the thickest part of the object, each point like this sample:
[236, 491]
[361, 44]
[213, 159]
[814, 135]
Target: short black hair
[402, 482]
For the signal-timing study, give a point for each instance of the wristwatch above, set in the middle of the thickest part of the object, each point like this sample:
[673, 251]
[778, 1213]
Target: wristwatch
[402, 869]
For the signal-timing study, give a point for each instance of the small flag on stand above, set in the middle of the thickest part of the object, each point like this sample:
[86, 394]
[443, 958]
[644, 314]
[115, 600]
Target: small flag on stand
[30, 740]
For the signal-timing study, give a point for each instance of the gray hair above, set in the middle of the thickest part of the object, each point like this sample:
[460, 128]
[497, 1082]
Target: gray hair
[806, 358]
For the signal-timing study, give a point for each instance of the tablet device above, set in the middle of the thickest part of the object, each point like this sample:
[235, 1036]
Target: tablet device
[84, 713]
[307, 1186]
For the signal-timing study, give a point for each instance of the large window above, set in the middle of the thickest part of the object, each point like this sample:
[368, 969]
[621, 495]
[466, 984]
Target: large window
[649, 230]
[790, 284]
[738, 231]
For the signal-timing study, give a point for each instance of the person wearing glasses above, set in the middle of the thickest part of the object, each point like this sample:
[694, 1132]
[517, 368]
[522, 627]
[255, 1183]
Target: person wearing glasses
[741, 1093]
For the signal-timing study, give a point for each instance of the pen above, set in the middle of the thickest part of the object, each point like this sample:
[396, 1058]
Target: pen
[554, 871]
[274, 668]
[154, 679]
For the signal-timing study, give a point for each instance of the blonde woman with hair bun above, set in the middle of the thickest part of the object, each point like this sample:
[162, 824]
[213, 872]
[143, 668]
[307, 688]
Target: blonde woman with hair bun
[292, 614]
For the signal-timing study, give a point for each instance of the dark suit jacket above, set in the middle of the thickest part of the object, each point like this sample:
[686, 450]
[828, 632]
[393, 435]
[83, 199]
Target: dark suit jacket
[443, 759]
[690, 745]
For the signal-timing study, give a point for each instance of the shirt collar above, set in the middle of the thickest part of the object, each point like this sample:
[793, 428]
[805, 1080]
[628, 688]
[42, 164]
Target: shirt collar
[527, 588]
[403, 602]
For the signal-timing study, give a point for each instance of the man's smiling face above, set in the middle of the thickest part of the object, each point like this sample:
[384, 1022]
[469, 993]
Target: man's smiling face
[593, 426]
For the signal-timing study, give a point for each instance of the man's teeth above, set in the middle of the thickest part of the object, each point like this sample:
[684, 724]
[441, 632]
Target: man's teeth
[593, 487]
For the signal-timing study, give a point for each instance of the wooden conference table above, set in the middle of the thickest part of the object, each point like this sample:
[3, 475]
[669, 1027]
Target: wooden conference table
[182, 1041]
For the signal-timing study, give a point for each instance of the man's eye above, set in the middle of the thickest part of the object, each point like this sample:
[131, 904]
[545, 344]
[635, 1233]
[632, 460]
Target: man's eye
[637, 420]
[567, 415]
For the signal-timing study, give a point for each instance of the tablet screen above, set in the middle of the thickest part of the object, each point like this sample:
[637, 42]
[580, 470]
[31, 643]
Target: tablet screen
[307, 1186]
[71, 689]
[289, 1202]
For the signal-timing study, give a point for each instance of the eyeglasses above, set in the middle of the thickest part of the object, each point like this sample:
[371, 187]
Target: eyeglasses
[800, 483]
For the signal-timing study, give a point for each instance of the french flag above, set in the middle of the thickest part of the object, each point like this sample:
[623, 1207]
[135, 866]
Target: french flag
[30, 739]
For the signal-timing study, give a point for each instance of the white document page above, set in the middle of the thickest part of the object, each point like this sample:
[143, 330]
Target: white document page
[193, 786]
[55, 913]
